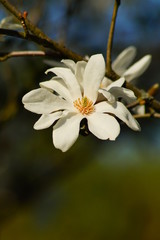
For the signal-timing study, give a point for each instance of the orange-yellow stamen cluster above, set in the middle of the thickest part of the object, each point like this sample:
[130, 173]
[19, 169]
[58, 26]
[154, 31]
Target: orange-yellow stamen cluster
[84, 105]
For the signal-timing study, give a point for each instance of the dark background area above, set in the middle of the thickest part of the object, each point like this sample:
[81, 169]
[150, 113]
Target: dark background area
[98, 189]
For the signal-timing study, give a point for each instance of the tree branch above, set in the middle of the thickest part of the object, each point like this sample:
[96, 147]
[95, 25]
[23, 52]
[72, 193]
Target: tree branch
[38, 36]
[147, 115]
[151, 101]
[109, 71]
[5, 56]
[64, 52]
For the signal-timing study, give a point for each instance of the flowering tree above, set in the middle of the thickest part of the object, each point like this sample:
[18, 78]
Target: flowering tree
[85, 94]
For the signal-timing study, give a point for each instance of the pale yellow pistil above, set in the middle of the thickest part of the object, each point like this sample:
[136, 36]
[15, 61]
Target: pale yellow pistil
[84, 105]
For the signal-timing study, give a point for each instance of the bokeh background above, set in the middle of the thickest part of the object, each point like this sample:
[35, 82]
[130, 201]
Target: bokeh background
[96, 190]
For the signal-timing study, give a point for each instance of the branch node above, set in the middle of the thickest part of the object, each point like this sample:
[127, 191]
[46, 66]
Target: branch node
[23, 17]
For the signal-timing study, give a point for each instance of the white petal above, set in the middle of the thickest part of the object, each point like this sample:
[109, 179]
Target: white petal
[105, 82]
[124, 93]
[103, 126]
[138, 68]
[48, 84]
[117, 83]
[139, 110]
[120, 111]
[107, 95]
[70, 80]
[70, 64]
[93, 75]
[59, 87]
[79, 72]
[46, 120]
[66, 131]
[124, 59]
[42, 101]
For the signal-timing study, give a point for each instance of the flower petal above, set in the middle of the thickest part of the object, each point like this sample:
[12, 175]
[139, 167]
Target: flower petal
[59, 87]
[117, 83]
[66, 131]
[140, 110]
[46, 120]
[79, 71]
[120, 111]
[93, 75]
[124, 93]
[107, 95]
[124, 59]
[105, 82]
[138, 68]
[70, 80]
[42, 101]
[70, 64]
[103, 126]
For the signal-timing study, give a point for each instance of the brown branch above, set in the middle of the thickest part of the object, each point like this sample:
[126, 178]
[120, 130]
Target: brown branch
[65, 53]
[154, 89]
[12, 33]
[157, 115]
[155, 105]
[147, 115]
[133, 104]
[109, 71]
[152, 102]
[39, 36]
[5, 56]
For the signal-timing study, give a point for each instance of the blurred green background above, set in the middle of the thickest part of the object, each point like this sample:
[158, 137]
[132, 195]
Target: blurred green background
[96, 190]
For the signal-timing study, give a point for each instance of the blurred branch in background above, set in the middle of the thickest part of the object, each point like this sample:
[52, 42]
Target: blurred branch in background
[110, 73]
[5, 56]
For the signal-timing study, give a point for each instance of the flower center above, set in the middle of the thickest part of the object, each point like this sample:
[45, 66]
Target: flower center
[84, 105]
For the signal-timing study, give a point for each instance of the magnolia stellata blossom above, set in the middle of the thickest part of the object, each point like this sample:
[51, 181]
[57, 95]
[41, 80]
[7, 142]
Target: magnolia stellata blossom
[71, 96]
[9, 23]
[121, 66]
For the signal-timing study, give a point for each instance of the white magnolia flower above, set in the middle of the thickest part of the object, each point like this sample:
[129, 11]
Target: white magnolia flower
[71, 96]
[121, 64]
[9, 23]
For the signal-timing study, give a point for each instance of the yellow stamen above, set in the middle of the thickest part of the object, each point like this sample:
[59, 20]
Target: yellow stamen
[84, 105]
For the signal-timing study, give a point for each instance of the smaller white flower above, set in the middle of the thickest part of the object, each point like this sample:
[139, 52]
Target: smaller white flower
[72, 95]
[9, 23]
[121, 64]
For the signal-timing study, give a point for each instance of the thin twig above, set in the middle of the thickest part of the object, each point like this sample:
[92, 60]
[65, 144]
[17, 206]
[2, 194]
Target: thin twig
[5, 56]
[153, 89]
[138, 92]
[110, 73]
[133, 104]
[23, 22]
[157, 115]
[147, 115]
